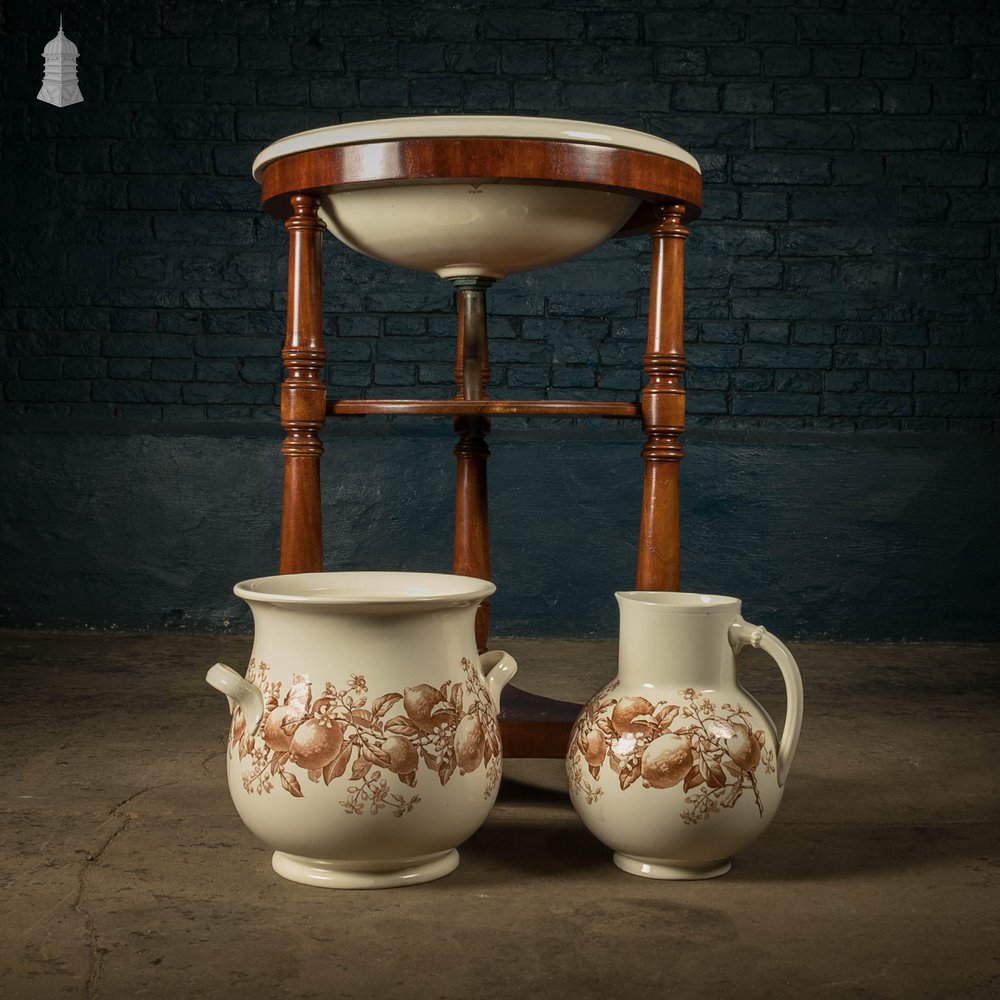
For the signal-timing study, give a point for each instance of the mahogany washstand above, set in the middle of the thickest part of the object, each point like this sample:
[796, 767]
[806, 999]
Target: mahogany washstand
[303, 176]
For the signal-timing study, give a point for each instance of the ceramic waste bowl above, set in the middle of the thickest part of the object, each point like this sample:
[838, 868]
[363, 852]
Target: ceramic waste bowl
[364, 745]
[673, 765]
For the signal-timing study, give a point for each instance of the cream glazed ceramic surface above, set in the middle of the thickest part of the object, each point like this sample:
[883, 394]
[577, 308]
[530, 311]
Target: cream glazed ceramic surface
[364, 745]
[476, 226]
[673, 765]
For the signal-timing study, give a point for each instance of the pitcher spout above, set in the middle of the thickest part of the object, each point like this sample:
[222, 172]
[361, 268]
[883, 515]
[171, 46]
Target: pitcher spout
[239, 693]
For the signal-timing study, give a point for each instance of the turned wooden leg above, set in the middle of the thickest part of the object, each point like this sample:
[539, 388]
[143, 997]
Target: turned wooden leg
[472, 533]
[303, 392]
[663, 408]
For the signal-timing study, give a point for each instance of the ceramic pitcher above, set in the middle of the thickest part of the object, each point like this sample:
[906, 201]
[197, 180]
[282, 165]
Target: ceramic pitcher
[673, 765]
[364, 745]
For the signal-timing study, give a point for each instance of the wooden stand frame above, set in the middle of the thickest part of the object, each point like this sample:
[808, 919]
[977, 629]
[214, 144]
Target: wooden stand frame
[670, 193]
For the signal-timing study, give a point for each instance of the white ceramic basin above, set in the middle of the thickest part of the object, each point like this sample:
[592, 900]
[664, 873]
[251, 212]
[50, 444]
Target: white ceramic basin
[476, 226]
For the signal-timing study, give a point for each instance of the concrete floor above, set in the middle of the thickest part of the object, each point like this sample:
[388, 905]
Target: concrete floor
[127, 873]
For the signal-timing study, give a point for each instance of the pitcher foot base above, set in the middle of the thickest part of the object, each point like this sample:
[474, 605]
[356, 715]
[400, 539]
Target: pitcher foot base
[364, 874]
[651, 868]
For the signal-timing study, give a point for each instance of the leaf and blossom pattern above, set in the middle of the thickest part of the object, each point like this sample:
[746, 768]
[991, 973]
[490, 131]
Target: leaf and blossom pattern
[713, 753]
[340, 731]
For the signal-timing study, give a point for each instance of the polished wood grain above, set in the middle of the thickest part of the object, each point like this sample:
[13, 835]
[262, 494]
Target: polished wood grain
[472, 373]
[658, 565]
[653, 179]
[532, 725]
[303, 392]
[482, 407]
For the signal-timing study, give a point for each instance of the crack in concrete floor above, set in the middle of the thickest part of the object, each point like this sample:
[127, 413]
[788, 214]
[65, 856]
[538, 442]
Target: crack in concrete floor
[162, 892]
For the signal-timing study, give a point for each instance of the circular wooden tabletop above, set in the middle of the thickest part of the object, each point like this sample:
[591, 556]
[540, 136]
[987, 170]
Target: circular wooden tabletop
[655, 180]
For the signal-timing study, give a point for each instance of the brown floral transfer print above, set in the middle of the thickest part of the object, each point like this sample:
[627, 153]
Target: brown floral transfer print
[342, 728]
[715, 753]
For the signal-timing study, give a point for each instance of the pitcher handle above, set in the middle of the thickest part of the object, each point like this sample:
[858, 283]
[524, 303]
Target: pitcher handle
[499, 667]
[742, 633]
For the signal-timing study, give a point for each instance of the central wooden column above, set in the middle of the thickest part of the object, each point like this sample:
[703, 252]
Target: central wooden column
[303, 392]
[472, 374]
[662, 403]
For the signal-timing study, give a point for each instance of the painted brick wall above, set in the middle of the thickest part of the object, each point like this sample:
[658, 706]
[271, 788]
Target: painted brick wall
[844, 276]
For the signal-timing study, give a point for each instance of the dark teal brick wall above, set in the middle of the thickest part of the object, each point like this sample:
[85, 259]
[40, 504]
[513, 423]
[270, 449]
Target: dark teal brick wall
[843, 281]
[851, 154]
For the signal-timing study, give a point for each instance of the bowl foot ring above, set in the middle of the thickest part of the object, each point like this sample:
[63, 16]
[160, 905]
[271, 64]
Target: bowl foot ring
[677, 870]
[364, 874]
